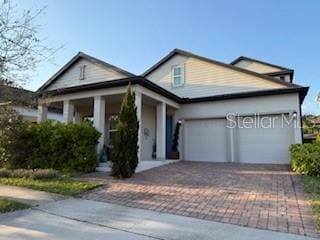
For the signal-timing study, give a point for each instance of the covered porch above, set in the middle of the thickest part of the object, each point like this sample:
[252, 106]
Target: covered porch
[102, 106]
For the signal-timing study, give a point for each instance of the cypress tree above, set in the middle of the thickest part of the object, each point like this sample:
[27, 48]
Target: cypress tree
[125, 152]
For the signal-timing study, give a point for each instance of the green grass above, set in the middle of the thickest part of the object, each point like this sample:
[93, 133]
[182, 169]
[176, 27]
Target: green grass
[64, 185]
[9, 205]
[312, 188]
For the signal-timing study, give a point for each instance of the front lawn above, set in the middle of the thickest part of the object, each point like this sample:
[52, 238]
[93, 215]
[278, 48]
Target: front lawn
[62, 185]
[9, 205]
[312, 188]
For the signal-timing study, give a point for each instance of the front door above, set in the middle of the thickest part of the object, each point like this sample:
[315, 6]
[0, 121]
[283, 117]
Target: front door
[169, 132]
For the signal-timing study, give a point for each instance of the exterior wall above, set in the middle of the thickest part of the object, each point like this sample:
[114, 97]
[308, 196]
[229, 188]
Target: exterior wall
[148, 122]
[93, 73]
[246, 106]
[148, 125]
[256, 67]
[287, 77]
[207, 79]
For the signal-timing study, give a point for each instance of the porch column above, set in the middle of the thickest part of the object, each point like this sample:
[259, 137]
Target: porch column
[138, 102]
[68, 109]
[42, 113]
[99, 112]
[161, 131]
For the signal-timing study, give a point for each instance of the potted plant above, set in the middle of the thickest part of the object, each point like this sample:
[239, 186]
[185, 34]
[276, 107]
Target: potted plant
[174, 152]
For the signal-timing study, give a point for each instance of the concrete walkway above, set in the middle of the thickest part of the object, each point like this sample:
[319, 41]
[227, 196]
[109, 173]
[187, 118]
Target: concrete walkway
[85, 219]
[28, 196]
[142, 166]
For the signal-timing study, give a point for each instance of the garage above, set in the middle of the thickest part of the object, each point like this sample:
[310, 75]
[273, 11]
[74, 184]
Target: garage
[264, 143]
[205, 140]
[258, 139]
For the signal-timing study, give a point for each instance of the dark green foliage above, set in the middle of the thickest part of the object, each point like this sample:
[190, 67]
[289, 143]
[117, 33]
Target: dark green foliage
[125, 152]
[66, 147]
[305, 158]
[14, 139]
[176, 137]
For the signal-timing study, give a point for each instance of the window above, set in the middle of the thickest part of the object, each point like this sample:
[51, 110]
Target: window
[282, 77]
[82, 72]
[177, 76]
[113, 120]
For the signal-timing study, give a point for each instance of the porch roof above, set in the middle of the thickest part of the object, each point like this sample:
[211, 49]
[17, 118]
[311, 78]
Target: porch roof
[113, 83]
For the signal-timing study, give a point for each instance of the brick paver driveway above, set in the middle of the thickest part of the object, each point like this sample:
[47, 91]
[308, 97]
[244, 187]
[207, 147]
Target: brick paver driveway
[259, 196]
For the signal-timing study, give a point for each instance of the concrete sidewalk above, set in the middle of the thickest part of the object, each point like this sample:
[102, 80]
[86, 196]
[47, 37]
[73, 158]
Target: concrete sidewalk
[28, 196]
[85, 219]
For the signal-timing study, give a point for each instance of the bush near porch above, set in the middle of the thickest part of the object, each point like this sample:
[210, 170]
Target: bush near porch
[66, 147]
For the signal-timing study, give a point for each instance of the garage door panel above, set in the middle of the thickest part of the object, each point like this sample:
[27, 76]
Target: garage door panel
[205, 140]
[265, 145]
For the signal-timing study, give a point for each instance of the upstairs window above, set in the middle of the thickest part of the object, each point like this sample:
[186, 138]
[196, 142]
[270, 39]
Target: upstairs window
[82, 72]
[177, 76]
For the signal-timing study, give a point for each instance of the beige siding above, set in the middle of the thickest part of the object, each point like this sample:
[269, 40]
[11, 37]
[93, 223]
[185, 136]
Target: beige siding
[257, 67]
[93, 73]
[207, 79]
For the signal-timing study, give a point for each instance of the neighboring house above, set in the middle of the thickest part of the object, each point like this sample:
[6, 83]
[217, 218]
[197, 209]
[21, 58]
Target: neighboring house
[205, 95]
[24, 102]
[315, 122]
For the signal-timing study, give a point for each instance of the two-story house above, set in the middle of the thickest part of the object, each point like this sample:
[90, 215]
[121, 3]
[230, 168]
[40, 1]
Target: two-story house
[247, 111]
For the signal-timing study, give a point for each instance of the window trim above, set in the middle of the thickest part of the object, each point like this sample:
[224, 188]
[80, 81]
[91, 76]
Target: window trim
[111, 130]
[182, 75]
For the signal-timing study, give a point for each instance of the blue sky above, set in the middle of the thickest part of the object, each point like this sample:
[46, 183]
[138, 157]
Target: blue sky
[134, 34]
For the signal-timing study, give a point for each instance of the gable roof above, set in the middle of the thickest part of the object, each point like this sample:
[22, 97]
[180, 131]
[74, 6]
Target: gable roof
[302, 91]
[88, 58]
[259, 61]
[230, 66]
[17, 96]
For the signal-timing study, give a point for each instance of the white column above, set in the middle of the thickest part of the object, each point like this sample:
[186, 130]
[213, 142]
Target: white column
[42, 113]
[138, 102]
[77, 117]
[231, 138]
[161, 131]
[99, 112]
[68, 109]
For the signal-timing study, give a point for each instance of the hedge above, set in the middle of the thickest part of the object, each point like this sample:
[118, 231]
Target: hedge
[305, 158]
[29, 173]
[66, 147]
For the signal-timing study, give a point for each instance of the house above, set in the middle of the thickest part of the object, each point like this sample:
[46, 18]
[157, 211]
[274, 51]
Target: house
[24, 103]
[248, 111]
[315, 122]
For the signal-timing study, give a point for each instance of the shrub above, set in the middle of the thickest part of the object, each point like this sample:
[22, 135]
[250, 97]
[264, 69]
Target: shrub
[305, 158]
[125, 152]
[14, 139]
[29, 173]
[66, 147]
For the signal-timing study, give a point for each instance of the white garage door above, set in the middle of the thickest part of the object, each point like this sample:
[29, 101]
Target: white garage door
[264, 142]
[205, 140]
